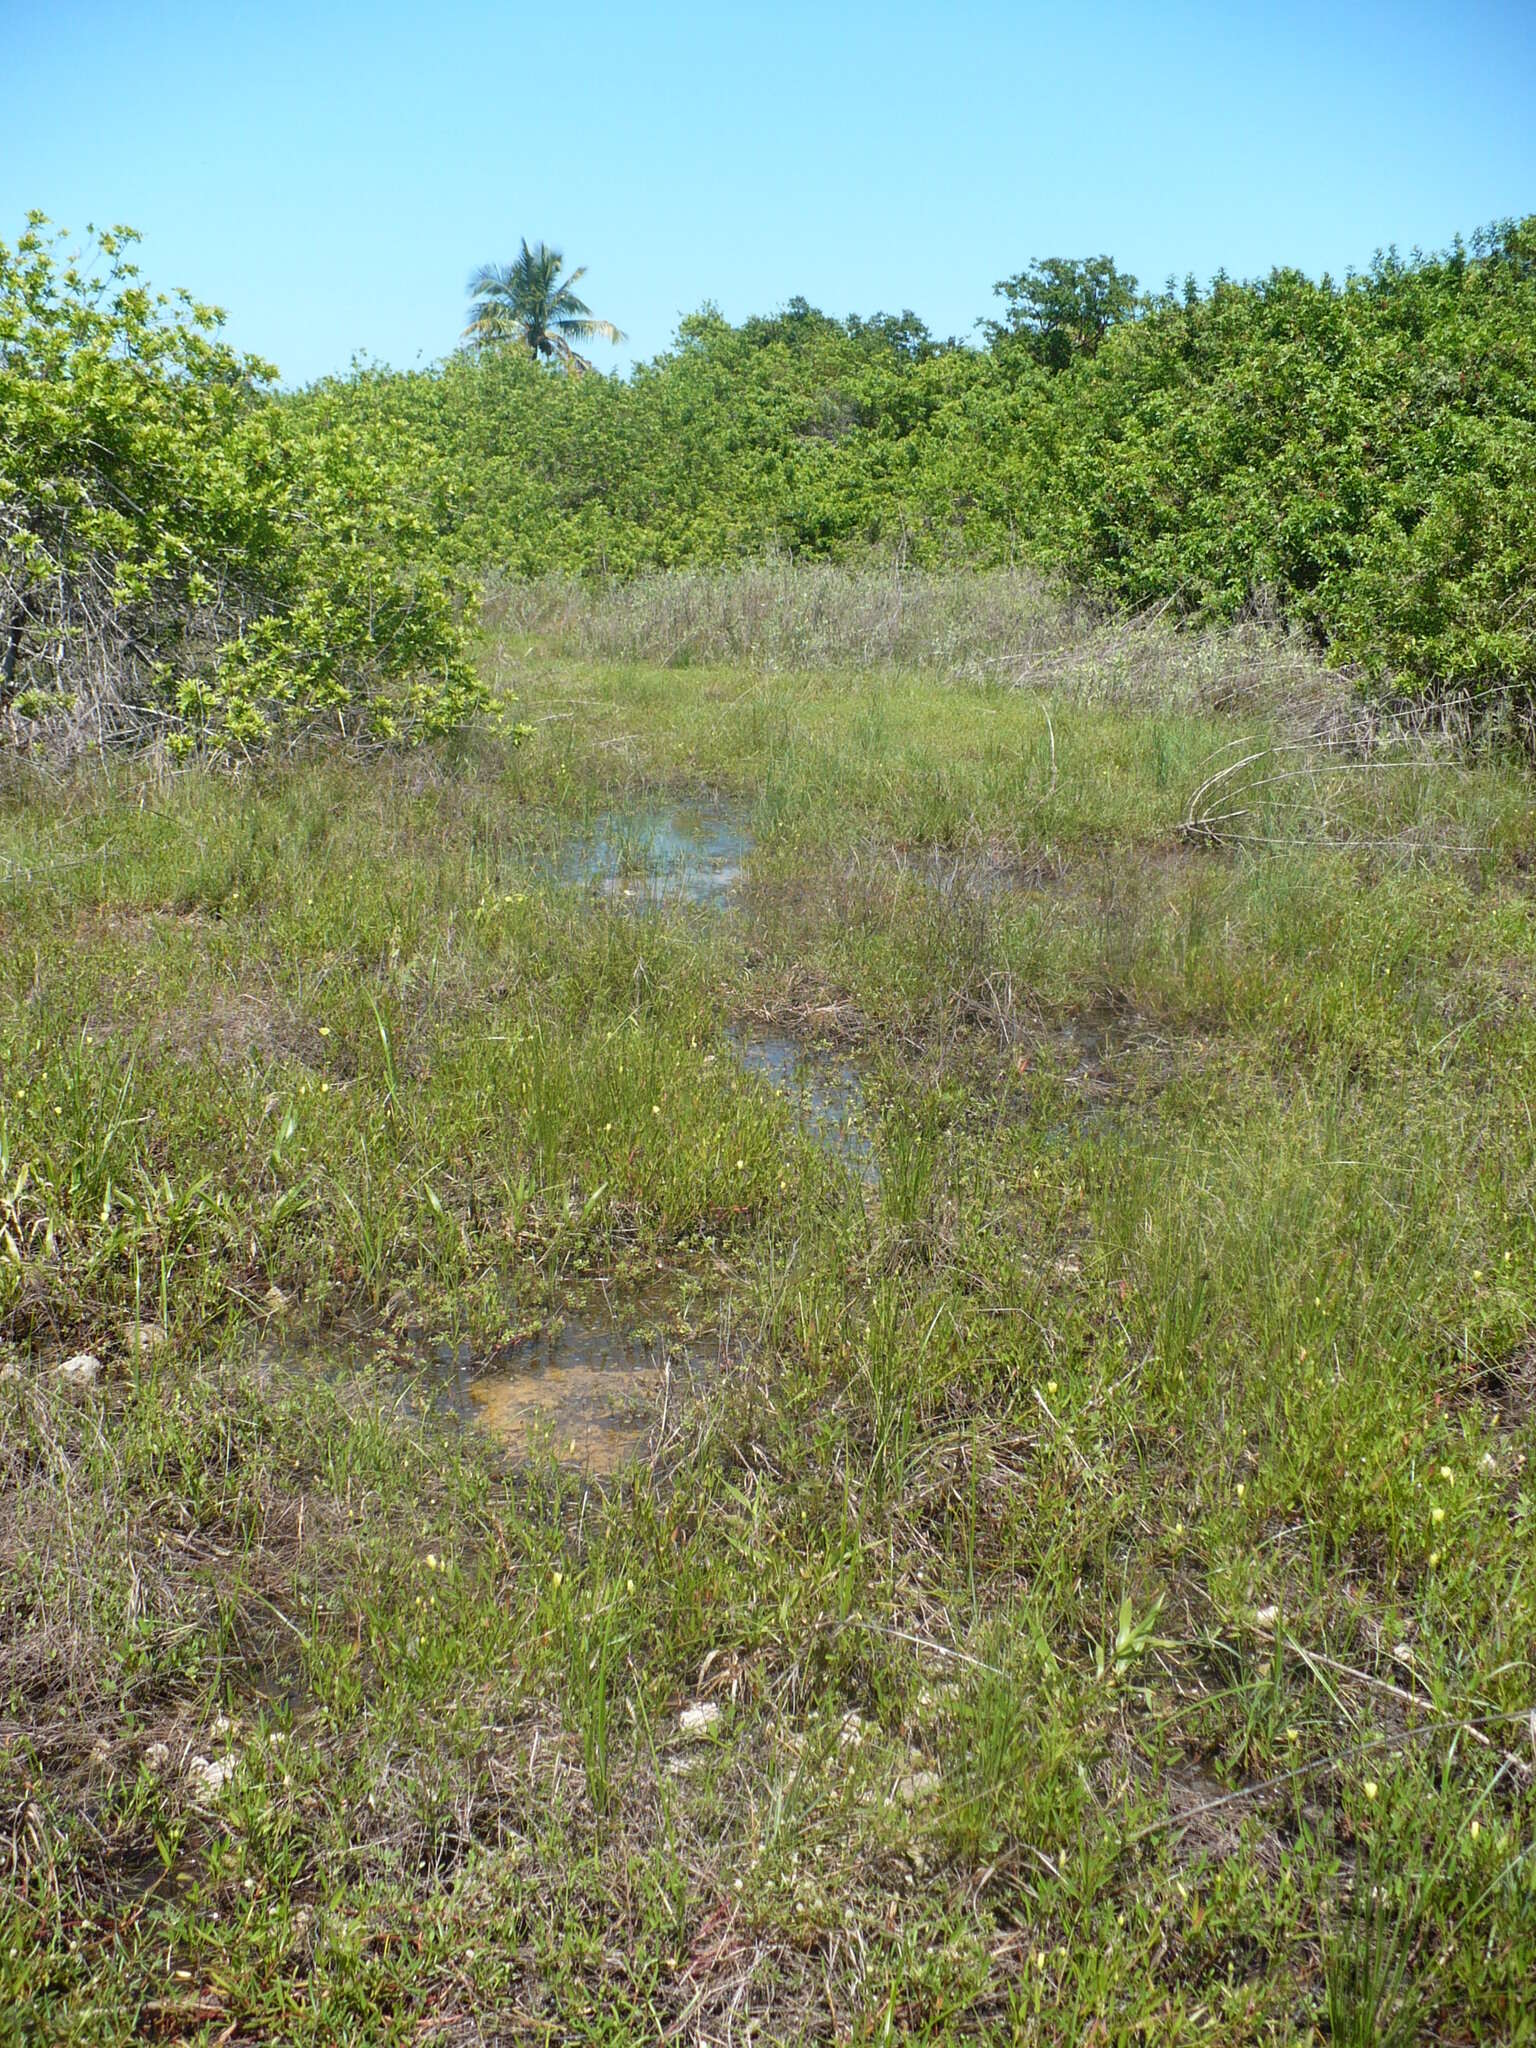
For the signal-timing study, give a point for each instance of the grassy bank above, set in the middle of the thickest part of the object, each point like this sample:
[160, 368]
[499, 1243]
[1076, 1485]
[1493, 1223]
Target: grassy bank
[1085, 1591]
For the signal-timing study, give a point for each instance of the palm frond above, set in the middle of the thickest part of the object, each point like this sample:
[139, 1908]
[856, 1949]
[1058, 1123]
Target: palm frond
[491, 320]
[490, 278]
[587, 329]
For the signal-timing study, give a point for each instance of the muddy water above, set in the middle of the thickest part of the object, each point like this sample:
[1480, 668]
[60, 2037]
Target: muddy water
[1085, 1048]
[590, 1390]
[1107, 1062]
[587, 1390]
[650, 858]
[826, 1092]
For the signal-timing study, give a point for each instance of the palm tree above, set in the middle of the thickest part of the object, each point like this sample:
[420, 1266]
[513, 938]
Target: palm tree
[528, 301]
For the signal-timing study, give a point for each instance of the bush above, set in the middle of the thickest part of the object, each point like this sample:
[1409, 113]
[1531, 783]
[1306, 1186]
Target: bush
[175, 558]
[1361, 458]
[1357, 461]
[183, 551]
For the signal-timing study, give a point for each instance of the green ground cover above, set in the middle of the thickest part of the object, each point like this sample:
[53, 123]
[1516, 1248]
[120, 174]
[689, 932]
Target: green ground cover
[1087, 1593]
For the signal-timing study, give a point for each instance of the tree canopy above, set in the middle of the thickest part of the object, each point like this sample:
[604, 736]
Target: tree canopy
[1060, 308]
[183, 549]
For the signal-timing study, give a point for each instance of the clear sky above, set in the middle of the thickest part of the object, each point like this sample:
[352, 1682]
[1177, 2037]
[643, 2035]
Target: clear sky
[330, 173]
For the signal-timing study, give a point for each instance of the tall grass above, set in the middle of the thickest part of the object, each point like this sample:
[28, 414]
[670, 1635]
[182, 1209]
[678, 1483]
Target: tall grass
[1003, 625]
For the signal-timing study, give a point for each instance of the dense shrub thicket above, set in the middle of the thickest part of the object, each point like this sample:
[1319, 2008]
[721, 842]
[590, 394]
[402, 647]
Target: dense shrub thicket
[181, 556]
[183, 551]
[1357, 458]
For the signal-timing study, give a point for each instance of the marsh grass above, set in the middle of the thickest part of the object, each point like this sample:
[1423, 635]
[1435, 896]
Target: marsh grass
[1009, 626]
[1110, 1521]
[1367, 1971]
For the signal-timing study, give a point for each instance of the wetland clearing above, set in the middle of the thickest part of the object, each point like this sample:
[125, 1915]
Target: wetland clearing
[802, 1361]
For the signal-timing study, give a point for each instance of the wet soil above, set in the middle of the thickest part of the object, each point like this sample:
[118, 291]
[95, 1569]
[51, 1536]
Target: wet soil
[588, 1390]
[591, 1389]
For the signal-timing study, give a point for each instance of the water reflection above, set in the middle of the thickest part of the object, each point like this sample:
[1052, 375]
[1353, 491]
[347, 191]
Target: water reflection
[650, 858]
[826, 1091]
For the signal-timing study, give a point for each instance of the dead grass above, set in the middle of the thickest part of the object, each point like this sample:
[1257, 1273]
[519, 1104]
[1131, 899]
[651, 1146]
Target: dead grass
[1006, 626]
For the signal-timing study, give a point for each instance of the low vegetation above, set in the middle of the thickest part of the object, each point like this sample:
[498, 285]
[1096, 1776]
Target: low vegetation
[1084, 1594]
[969, 1060]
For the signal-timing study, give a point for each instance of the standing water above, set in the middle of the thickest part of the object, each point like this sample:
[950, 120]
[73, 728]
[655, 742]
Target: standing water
[587, 1390]
[826, 1091]
[648, 858]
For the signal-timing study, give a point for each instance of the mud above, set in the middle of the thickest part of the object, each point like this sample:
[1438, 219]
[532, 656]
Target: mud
[592, 1391]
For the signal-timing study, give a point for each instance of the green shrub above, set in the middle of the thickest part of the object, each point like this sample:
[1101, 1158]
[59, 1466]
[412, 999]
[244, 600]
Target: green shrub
[1362, 458]
[1358, 460]
[177, 559]
[183, 551]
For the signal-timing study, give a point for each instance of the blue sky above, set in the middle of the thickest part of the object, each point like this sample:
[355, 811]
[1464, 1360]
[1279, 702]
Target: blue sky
[331, 173]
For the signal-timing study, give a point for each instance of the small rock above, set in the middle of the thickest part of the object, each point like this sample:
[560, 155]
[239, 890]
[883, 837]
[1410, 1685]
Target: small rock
[917, 1785]
[1266, 1617]
[1402, 1653]
[144, 1337]
[157, 1756]
[83, 1370]
[699, 1719]
[207, 1777]
[852, 1731]
[274, 1300]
